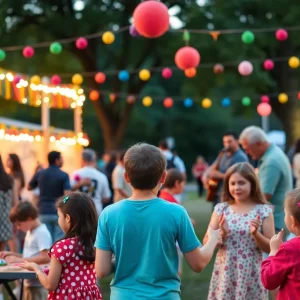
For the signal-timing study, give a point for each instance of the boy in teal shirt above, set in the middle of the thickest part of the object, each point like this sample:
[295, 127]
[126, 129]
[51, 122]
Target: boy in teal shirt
[141, 232]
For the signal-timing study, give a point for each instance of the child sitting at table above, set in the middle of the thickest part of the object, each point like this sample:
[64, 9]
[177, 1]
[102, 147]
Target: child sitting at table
[37, 243]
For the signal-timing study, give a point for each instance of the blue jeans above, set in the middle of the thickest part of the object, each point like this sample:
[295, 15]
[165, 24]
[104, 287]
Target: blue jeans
[51, 221]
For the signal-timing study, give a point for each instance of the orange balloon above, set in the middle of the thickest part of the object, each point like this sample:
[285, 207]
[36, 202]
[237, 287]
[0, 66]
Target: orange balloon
[94, 95]
[190, 72]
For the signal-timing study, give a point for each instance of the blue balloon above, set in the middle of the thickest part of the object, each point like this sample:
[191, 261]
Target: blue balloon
[226, 102]
[188, 102]
[124, 75]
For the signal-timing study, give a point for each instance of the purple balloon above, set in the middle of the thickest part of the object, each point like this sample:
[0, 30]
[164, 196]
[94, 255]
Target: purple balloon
[133, 32]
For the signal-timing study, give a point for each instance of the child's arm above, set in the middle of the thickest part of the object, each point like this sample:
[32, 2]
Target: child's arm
[275, 268]
[199, 258]
[50, 281]
[5, 254]
[215, 223]
[104, 264]
[262, 239]
[40, 259]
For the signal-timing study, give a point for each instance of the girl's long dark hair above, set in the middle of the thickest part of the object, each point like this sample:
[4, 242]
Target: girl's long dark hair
[6, 181]
[81, 209]
[16, 170]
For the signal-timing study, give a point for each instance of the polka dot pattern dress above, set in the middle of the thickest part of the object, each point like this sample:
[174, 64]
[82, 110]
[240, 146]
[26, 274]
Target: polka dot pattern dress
[236, 273]
[78, 277]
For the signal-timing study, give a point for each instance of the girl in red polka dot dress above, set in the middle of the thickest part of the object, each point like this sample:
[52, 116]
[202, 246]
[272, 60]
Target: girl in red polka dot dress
[72, 268]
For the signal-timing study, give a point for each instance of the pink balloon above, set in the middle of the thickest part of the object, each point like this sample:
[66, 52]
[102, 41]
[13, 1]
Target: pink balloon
[28, 52]
[265, 99]
[281, 34]
[81, 43]
[17, 79]
[167, 73]
[269, 64]
[245, 68]
[264, 109]
[55, 79]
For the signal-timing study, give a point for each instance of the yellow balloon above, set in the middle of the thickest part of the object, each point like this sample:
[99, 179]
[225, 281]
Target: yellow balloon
[108, 37]
[283, 98]
[145, 74]
[147, 101]
[77, 79]
[206, 103]
[35, 79]
[294, 62]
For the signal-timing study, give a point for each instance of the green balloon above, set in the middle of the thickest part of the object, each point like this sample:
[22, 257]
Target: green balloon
[2, 55]
[248, 37]
[246, 101]
[55, 48]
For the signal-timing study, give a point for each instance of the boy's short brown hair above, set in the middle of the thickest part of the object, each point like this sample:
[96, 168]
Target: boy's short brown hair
[23, 212]
[144, 166]
[173, 175]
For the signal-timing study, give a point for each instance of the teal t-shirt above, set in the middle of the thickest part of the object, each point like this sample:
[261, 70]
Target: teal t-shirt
[142, 235]
[275, 177]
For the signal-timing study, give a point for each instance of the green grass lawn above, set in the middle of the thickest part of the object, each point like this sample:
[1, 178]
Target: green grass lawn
[194, 286]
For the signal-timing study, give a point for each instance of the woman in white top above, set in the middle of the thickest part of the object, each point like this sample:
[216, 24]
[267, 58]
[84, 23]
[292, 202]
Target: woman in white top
[296, 163]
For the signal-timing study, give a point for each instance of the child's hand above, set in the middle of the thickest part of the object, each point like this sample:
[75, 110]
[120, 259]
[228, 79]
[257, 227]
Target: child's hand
[215, 235]
[254, 225]
[30, 266]
[4, 254]
[275, 242]
[223, 227]
[13, 259]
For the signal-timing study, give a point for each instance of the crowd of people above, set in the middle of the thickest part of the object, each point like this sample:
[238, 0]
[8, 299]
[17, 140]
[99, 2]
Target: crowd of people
[143, 236]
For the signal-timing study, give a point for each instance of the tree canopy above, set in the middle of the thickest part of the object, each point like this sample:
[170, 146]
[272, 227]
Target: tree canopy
[196, 131]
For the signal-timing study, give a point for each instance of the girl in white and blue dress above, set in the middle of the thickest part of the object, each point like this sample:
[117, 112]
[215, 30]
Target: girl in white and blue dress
[247, 225]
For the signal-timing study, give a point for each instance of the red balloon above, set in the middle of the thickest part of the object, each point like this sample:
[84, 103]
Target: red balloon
[100, 77]
[167, 73]
[81, 43]
[28, 52]
[187, 58]
[298, 95]
[281, 34]
[168, 102]
[265, 99]
[151, 19]
[269, 64]
[264, 109]
[55, 79]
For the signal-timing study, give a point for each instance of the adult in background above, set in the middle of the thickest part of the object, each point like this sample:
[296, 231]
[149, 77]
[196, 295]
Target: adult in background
[15, 170]
[52, 183]
[14, 166]
[91, 181]
[8, 198]
[229, 155]
[296, 163]
[198, 170]
[274, 170]
[173, 160]
[111, 162]
[122, 190]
